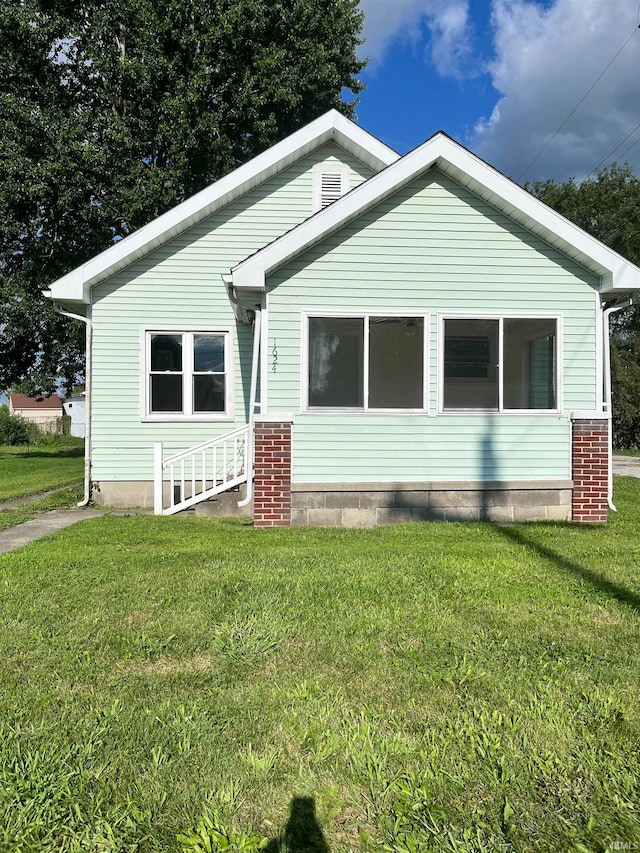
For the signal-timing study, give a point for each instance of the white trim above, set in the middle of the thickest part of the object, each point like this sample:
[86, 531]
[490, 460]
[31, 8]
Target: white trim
[587, 415]
[560, 362]
[328, 167]
[464, 167]
[599, 352]
[275, 418]
[305, 409]
[264, 356]
[332, 126]
[500, 364]
[500, 317]
[146, 416]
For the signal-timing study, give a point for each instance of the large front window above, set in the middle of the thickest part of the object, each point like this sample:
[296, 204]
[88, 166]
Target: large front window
[187, 374]
[502, 364]
[366, 363]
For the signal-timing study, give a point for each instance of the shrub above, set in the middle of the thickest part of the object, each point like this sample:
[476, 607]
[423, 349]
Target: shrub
[63, 425]
[16, 430]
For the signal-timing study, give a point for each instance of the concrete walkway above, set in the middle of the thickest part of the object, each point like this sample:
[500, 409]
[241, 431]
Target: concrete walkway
[47, 522]
[626, 466]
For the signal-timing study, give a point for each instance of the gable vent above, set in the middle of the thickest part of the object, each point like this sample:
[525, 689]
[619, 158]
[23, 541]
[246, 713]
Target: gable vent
[330, 188]
[330, 181]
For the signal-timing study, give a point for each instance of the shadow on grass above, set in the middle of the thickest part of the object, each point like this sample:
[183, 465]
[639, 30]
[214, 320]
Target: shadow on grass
[595, 579]
[302, 834]
[519, 535]
[43, 453]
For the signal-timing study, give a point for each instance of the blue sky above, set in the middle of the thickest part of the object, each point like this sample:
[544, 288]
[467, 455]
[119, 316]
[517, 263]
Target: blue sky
[501, 76]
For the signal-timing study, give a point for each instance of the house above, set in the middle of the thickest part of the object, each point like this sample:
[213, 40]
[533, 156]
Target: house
[44, 411]
[74, 407]
[334, 334]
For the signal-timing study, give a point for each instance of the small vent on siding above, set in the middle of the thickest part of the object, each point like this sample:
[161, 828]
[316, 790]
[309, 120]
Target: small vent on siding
[330, 188]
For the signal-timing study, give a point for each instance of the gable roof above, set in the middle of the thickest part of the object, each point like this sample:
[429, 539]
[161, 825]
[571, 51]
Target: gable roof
[331, 127]
[21, 401]
[616, 273]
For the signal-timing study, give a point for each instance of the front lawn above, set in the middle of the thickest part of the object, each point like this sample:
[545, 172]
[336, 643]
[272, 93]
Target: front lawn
[26, 471]
[445, 687]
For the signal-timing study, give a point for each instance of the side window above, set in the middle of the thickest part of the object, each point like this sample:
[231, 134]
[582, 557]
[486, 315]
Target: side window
[187, 374]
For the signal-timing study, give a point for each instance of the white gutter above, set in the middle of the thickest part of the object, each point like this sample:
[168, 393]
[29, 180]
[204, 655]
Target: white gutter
[87, 380]
[255, 359]
[607, 404]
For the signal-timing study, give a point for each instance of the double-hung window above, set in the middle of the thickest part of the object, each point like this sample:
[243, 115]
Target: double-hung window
[500, 364]
[187, 375]
[365, 363]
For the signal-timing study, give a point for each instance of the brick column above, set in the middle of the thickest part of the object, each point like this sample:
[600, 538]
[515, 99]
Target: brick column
[272, 471]
[590, 468]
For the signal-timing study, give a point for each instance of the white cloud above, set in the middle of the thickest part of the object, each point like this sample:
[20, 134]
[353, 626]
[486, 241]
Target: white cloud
[545, 59]
[444, 25]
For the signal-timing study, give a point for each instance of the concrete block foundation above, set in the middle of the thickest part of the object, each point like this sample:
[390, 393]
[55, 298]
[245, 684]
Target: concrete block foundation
[370, 504]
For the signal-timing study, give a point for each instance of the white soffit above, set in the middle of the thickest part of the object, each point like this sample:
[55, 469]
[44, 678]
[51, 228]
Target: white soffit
[465, 168]
[331, 127]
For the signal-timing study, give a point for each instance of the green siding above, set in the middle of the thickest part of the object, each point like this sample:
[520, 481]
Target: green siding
[433, 247]
[179, 284]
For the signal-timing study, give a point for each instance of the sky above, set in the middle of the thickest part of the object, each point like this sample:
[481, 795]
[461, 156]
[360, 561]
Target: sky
[503, 78]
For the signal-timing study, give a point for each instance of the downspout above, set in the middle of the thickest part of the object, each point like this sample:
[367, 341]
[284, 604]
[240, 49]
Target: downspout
[255, 358]
[87, 386]
[607, 403]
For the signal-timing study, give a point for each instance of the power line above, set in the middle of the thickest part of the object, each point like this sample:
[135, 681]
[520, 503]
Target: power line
[588, 92]
[626, 150]
[613, 151]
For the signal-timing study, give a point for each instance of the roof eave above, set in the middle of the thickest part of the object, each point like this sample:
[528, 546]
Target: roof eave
[332, 126]
[614, 271]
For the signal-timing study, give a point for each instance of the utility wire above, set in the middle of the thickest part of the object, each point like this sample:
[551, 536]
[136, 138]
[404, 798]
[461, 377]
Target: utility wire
[588, 92]
[613, 151]
[626, 150]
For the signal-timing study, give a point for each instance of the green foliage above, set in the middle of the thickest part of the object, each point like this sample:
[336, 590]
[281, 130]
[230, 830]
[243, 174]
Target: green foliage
[15, 430]
[608, 207]
[211, 836]
[63, 425]
[113, 112]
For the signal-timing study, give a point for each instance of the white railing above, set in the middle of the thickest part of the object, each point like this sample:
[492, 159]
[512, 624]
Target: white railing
[201, 472]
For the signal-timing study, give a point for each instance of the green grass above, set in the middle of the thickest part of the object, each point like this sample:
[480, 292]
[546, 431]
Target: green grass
[26, 471]
[629, 451]
[65, 498]
[430, 687]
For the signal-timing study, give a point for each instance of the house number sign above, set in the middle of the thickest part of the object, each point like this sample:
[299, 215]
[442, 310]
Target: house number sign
[274, 356]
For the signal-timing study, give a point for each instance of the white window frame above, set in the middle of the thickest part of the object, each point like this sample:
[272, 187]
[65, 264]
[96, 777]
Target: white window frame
[506, 315]
[305, 408]
[188, 332]
[328, 167]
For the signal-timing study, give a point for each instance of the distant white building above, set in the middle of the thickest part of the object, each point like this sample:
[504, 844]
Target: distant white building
[74, 406]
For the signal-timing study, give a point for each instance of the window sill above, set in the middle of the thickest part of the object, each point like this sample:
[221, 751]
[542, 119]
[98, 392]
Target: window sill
[186, 419]
[360, 412]
[508, 412]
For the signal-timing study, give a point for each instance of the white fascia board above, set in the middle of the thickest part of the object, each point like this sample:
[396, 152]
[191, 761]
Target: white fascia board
[361, 143]
[479, 177]
[332, 126]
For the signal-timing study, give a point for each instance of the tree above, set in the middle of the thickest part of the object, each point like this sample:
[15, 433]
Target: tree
[608, 207]
[113, 111]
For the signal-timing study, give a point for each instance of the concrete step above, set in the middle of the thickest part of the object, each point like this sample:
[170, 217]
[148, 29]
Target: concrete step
[225, 505]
